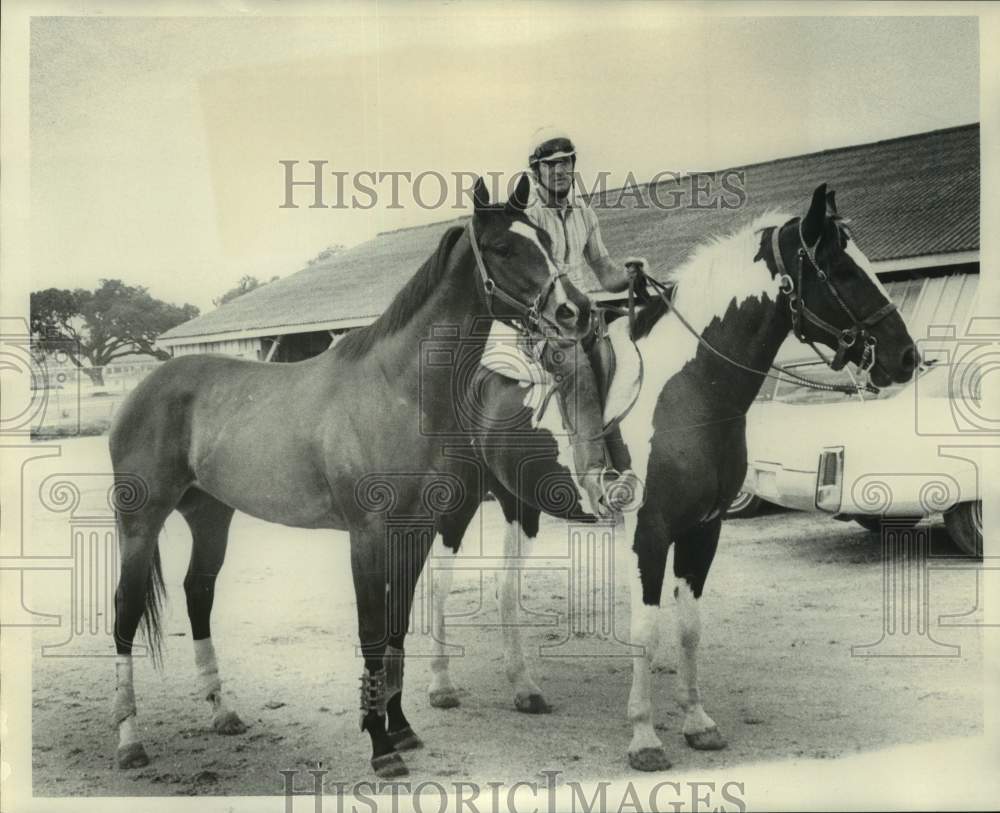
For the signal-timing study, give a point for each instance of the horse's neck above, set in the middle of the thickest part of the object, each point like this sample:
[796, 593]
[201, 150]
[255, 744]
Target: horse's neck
[453, 310]
[725, 334]
[461, 306]
[750, 335]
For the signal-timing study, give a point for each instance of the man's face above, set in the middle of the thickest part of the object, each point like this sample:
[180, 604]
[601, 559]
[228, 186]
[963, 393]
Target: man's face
[556, 175]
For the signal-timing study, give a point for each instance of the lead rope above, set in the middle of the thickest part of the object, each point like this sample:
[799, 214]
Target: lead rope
[816, 385]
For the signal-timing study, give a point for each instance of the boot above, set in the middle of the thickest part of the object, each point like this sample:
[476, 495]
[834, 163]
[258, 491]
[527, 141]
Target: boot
[627, 492]
[579, 399]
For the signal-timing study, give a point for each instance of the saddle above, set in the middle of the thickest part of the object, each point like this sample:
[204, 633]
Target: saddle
[614, 358]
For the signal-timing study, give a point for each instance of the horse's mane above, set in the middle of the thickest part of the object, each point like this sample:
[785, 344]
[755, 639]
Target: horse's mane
[701, 278]
[406, 303]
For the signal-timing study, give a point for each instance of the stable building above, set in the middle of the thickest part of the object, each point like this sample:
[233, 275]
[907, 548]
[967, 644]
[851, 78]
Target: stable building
[913, 202]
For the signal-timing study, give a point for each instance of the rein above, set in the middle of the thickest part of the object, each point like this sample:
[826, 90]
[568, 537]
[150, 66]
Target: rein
[845, 338]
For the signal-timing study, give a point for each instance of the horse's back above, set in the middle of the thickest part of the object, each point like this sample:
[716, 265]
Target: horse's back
[245, 432]
[161, 412]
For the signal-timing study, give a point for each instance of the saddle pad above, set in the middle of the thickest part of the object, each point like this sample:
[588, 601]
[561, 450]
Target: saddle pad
[627, 380]
[504, 355]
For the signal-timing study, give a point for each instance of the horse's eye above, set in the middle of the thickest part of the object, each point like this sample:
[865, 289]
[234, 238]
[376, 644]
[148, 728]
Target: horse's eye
[503, 249]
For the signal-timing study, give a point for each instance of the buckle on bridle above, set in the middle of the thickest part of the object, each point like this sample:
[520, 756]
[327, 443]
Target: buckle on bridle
[786, 284]
[868, 354]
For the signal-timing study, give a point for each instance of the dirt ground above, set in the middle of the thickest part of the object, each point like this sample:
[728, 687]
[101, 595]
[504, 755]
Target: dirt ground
[788, 597]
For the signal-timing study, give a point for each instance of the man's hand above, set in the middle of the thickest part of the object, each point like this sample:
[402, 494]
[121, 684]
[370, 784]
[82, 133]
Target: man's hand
[635, 267]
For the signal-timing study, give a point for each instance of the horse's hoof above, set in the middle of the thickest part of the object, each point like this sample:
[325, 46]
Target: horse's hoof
[444, 698]
[405, 739]
[649, 759]
[228, 723]
[531, 704]
[389, 765]
[708, 740]
[132, 755]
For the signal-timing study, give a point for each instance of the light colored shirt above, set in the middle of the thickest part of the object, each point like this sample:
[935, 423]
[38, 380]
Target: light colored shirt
[575, 234]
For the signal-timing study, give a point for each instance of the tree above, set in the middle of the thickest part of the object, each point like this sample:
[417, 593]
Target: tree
[326, 254]
[246, 284]
[100, 326]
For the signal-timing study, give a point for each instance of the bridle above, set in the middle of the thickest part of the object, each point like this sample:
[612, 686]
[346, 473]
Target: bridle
[794, 292]
[530, 319]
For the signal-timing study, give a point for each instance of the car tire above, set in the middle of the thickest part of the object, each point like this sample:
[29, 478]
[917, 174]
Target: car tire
[745, 505]
[964, 523]
[873, 524]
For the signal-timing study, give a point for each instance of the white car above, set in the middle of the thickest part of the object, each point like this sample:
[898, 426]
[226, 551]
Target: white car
[903, 455]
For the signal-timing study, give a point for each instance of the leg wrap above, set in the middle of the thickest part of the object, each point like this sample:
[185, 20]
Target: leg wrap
[373, 694]
[393, 672]
[124, 706]
[209, 683]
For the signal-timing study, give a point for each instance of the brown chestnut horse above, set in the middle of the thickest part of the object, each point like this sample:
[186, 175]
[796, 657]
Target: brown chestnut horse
[330, 442]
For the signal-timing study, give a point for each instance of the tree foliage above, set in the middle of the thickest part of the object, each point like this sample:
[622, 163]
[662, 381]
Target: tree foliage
[93, 328]
[246, 284]
[326, 254]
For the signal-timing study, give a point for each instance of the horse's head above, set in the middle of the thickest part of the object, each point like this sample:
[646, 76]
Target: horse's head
[835, 297]
[519, 279]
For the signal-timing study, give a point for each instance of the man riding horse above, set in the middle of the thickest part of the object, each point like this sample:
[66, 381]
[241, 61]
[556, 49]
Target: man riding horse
[605, 472]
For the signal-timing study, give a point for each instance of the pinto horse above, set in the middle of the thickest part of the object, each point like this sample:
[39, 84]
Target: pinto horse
[705, 357]
[324, 443]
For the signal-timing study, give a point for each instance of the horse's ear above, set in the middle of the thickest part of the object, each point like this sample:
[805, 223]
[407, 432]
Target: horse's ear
[480, 194]
[831, 203]
[812, 223]
[519, 200]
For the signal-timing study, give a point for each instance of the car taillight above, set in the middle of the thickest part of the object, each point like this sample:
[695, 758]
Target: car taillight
[830, 479]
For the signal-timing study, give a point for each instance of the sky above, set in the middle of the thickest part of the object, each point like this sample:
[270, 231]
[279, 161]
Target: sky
[155, 142]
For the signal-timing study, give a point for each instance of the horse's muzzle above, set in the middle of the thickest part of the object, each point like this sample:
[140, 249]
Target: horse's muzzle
[573, 321]
[909, 361]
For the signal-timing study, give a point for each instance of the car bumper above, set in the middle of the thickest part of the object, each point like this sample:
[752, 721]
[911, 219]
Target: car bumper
[789, 488]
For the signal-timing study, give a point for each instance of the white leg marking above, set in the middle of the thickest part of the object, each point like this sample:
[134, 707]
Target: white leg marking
[509, 600]
[643, 632]
[224, 719]
[689, 636]
[440, 576]
[124, 708]
[209, 683]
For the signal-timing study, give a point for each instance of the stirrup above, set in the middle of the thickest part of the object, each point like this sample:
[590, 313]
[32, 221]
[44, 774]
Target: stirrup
[621, 491]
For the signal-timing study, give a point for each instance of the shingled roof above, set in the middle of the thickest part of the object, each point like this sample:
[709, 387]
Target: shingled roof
[908, 197]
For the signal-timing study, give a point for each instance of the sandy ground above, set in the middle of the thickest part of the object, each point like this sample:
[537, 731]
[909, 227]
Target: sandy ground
[788, 596]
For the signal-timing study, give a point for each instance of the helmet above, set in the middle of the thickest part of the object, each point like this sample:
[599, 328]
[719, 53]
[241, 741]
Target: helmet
[550, 144]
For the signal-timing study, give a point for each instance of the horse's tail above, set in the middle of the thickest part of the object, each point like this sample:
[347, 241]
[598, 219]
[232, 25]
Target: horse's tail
[154, 596]
[156, 593]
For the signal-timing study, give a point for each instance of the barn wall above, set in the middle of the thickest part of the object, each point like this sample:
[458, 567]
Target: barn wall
[299, 346]
[241, 348]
